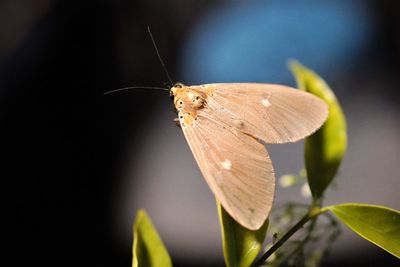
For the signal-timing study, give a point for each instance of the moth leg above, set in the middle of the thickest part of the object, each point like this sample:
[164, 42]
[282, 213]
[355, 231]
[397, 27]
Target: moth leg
[177, 122]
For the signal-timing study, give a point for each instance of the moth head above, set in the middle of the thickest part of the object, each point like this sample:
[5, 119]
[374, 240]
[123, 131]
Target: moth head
[175, 89]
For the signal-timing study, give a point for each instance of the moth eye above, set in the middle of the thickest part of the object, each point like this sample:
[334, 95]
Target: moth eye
[180, 102]
[197, 97]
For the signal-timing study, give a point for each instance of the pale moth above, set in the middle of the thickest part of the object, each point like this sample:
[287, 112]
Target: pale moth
[226, 125]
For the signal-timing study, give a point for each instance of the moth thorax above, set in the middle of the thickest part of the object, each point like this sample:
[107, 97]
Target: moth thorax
[196, 99]
[189, 100]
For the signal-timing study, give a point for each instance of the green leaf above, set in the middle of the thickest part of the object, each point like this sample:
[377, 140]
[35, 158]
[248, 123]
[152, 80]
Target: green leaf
[148, 248]
[379, 225]
[240, 245]
[325, 149]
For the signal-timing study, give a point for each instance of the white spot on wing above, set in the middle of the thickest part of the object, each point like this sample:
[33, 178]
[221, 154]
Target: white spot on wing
[265, 102]
[227, 164]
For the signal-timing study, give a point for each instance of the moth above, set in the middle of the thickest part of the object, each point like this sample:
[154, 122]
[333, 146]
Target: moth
[226, 126]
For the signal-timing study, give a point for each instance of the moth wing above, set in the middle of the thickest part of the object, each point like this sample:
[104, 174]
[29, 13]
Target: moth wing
[272, 113]
[236, 167]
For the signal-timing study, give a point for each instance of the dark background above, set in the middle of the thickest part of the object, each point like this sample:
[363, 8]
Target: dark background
[63, 141]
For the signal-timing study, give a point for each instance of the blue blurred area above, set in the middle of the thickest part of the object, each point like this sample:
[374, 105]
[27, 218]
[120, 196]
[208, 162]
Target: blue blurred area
[252, 40]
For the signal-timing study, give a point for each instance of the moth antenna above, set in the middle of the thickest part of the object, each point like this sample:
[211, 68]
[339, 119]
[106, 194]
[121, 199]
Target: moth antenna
[135, 87]
[159, 56]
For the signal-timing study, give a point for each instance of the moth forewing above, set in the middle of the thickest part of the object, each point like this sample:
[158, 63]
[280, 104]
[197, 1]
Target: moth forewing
[272, 113]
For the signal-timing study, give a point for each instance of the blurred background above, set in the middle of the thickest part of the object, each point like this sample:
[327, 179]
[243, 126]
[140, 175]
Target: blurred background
[78, 164]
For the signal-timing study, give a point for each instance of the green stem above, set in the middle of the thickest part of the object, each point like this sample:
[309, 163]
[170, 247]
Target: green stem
[313, 212]
[305, 240]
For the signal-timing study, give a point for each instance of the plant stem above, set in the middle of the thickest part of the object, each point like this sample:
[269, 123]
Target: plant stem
[313, 212]
[305, 240]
